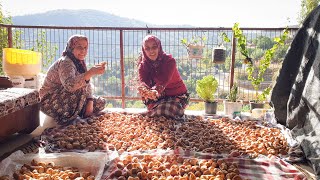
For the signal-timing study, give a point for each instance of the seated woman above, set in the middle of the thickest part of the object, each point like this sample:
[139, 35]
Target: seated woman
[66, 92]
[160, 84]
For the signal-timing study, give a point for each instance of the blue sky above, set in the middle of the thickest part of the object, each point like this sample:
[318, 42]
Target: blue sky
[202, 13]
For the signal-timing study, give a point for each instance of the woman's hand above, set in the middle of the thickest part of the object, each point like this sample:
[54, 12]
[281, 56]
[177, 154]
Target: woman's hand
[153, 94]
[96, 70]
[99, 68]
[89, 109]
[148, 94]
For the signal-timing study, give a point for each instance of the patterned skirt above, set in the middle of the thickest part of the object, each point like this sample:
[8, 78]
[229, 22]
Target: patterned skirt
[168, 106]
[65, 106]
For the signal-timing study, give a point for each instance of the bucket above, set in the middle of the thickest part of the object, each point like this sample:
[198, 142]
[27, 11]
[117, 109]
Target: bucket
[20, 62]
[219, 55]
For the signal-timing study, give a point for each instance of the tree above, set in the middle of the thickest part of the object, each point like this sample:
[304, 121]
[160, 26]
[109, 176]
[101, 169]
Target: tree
[3, 35]
[306, 7]
[263, 42]
[264, 62]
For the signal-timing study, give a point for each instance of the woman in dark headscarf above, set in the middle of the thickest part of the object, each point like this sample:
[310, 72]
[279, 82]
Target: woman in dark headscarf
[66, 92]
[161, 87]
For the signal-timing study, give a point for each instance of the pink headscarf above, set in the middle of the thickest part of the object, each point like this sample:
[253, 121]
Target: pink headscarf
[161, 54]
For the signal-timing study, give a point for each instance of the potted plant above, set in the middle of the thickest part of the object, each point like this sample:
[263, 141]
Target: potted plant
[231, 104]
[194, 46]
[206, 88]
[264, 63]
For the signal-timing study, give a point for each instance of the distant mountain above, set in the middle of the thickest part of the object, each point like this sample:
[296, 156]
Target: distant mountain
[84, 17]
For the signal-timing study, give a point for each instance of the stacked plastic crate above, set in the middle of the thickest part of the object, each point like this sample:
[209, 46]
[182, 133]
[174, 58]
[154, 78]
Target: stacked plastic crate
[22, 67]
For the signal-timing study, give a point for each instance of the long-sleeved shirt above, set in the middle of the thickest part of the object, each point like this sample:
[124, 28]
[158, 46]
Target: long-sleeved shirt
[163, 76]
[63, 73]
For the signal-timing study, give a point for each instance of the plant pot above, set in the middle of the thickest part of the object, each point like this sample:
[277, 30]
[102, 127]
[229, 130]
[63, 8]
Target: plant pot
[254, 105]
[210, 107]
[232, 107]
[195, 51]
[219, 55]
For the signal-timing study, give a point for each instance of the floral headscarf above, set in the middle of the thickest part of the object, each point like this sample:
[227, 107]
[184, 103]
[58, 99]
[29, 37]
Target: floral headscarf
[72, 43]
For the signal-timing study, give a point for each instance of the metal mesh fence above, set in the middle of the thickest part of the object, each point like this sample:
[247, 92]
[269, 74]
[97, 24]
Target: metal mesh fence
[120, 47]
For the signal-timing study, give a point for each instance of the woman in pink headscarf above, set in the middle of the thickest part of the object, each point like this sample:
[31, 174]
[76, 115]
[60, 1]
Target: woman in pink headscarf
[66, 92]
[161, 87]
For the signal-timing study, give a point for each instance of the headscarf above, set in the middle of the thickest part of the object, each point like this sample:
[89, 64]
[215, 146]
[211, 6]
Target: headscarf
[161, 54]
[149, 65]
[72, 42]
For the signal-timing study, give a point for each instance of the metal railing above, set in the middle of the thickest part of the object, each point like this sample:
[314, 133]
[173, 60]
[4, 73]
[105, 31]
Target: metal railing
[120, 47]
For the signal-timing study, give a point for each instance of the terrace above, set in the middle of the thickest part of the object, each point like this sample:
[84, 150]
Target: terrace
[121, 46]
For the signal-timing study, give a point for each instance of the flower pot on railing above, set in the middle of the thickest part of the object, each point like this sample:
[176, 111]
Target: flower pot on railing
[219, 55]
[195, 51]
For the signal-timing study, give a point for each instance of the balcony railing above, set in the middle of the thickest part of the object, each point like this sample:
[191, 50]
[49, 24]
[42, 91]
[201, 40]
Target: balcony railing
[120, 47]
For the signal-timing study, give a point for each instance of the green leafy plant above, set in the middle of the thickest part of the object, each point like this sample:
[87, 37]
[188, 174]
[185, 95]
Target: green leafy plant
[225, 37]
[233, 94]
[263, 65]
[264, 62]
[206, 88]
[241, 43]
[263, 96]
[195, 40]
[3, 36]
[194, 46]
[48, 52]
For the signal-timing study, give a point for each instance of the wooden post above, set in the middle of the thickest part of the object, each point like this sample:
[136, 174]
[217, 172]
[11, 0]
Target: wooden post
[122, 71]
[10, 37]
[233, 59]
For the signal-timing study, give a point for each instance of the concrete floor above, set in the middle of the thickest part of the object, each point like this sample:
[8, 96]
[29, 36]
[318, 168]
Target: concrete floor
[15, 141]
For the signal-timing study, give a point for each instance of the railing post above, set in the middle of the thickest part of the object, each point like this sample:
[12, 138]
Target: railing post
[122, 71]
[233, 59]
[10, 37]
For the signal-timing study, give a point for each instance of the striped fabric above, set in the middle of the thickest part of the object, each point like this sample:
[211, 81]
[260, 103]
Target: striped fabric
[261, 168]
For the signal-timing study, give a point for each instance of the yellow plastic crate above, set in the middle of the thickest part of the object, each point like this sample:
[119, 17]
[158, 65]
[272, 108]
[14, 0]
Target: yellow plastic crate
[21, 62]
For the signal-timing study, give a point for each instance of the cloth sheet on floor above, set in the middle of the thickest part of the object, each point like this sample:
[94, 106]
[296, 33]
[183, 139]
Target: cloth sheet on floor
[254, 169]
[103, 165]
[296, 94]
[49, 136]
[93, 162]
[52, 138]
